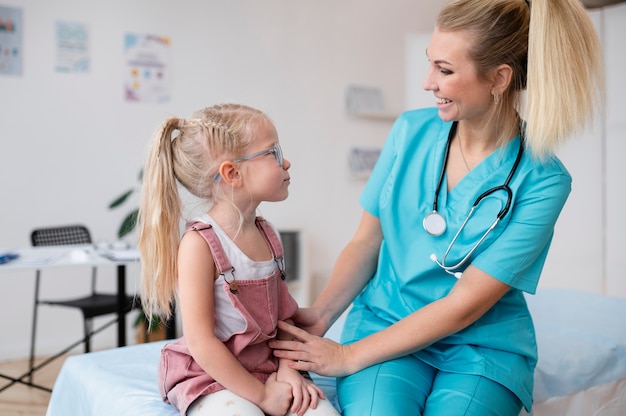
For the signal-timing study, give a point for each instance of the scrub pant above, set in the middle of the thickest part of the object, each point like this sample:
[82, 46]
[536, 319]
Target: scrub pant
[408, 386]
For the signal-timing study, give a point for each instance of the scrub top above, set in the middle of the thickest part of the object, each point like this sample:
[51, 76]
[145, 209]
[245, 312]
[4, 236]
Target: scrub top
[400, 192]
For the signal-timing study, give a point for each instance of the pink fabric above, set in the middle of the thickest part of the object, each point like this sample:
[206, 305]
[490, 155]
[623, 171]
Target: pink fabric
[262, 302]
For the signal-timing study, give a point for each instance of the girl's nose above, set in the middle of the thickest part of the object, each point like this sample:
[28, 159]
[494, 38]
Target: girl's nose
[286, 164]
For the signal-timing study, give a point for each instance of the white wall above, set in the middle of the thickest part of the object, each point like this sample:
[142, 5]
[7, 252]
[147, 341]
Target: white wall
[615, 128]
[70, 143]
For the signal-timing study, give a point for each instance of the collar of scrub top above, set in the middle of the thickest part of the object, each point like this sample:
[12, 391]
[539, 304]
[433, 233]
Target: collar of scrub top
[435, 224]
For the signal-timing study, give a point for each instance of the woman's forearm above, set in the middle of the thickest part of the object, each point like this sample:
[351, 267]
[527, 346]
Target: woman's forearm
[354, 268]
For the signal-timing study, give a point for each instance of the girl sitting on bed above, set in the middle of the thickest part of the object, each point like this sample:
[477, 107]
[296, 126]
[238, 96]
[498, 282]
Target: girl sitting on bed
[227, 271]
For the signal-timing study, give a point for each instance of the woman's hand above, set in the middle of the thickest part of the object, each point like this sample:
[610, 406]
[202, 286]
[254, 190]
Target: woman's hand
[310, 320]
[312, 353]
[277, 397]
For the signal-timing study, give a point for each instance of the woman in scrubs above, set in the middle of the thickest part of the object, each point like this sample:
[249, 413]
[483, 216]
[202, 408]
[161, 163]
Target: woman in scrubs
[438, 323]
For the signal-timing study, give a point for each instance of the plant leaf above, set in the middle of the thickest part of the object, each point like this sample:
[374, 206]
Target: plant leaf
[129, 223]
[121, 199]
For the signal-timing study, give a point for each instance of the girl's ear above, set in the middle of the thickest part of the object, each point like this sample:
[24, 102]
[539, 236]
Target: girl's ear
[230, 174]
[501, 79]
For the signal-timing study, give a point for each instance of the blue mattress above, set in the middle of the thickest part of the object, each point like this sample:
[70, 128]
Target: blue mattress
[581, 339]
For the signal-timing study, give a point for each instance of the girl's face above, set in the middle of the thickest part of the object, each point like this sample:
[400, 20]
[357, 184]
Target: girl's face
[461, 94]
[266, 180]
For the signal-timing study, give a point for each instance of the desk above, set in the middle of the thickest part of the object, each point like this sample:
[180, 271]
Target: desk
[47, 257]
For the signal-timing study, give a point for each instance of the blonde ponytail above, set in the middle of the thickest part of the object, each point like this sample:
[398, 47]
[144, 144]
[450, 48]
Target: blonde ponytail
[565, 73]
[159, 217]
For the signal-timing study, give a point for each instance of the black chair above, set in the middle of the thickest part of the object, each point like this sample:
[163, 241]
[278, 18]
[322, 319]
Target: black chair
[93, 305]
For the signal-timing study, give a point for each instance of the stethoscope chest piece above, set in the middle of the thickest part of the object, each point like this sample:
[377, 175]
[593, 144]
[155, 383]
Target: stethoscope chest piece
[434, 224]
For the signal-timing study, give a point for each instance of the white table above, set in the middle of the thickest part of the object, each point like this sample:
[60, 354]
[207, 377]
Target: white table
[41, 258]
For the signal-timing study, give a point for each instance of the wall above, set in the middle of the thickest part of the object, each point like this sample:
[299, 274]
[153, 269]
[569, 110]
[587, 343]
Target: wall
[70, 143]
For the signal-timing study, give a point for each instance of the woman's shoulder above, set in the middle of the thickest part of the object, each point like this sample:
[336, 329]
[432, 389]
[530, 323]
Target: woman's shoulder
[415, 126]
[421, 115]
[549, 165]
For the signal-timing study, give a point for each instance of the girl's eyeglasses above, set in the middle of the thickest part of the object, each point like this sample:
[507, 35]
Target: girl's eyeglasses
[276, 150]
[278, 154]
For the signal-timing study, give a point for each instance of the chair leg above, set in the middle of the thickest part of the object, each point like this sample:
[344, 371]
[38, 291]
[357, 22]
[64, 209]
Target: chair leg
[88, 329]
[33, 332]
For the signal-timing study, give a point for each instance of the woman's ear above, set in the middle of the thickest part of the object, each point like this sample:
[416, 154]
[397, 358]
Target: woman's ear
[230, 174]
[501, 80]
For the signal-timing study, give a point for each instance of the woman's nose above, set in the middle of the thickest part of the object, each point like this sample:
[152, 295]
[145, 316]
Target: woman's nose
[286, 164]
[429, 84]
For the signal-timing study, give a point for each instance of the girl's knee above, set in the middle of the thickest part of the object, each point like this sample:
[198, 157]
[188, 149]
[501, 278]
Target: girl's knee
[223, 402]
[324, 408]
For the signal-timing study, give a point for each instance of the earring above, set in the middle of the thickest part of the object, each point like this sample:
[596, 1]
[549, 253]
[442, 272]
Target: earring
[496, 98]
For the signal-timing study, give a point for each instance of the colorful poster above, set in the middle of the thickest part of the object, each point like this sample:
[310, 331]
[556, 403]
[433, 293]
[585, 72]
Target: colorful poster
[148, 67]
[72, 47]
[11, 31]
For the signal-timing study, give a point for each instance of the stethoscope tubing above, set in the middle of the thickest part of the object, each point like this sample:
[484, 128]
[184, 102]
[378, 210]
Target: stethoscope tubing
[504, 187]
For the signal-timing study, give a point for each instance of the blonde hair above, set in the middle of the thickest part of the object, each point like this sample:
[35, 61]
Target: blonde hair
[555, 54]
[186, 152]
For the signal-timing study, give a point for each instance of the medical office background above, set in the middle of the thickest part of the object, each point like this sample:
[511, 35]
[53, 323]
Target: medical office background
[72, 141]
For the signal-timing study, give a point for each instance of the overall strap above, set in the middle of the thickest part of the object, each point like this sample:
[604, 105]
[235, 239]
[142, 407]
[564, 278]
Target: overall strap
[219, 256]
[274, 242]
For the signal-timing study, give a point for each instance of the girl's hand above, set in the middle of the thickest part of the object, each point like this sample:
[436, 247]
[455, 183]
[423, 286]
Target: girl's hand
[305, 393]
[312, 353]
[277, 398]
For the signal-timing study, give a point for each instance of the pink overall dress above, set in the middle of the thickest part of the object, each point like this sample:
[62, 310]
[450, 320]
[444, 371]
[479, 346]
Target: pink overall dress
[261, 302]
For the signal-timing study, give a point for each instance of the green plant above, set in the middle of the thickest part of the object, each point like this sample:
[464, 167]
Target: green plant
[130, 220]
[151, 326]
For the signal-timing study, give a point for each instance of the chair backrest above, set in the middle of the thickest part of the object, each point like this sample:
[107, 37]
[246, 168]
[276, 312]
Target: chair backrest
[59, 236]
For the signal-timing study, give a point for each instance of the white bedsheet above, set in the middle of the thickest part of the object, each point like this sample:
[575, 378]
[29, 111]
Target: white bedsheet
[581, 339]
[116, 382]
[581, 368]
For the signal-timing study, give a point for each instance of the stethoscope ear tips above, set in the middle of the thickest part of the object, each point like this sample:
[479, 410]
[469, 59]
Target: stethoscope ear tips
[448, 270]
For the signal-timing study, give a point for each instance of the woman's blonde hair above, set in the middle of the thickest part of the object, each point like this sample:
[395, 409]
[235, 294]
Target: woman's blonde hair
[186, 152]
[556, 56]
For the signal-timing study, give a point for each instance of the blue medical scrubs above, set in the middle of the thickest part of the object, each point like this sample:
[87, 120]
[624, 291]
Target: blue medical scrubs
[400, 192]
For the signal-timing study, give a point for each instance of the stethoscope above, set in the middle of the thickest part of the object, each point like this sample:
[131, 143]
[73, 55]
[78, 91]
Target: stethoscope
[435, 224]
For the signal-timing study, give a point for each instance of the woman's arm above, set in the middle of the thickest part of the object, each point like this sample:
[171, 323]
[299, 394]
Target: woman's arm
[354, 267]
[473, 295]
[196, 275]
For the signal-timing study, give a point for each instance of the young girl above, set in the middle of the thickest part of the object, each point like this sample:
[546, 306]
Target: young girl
[227, 272]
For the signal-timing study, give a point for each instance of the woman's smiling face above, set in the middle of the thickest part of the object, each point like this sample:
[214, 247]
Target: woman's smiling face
[461, 93]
